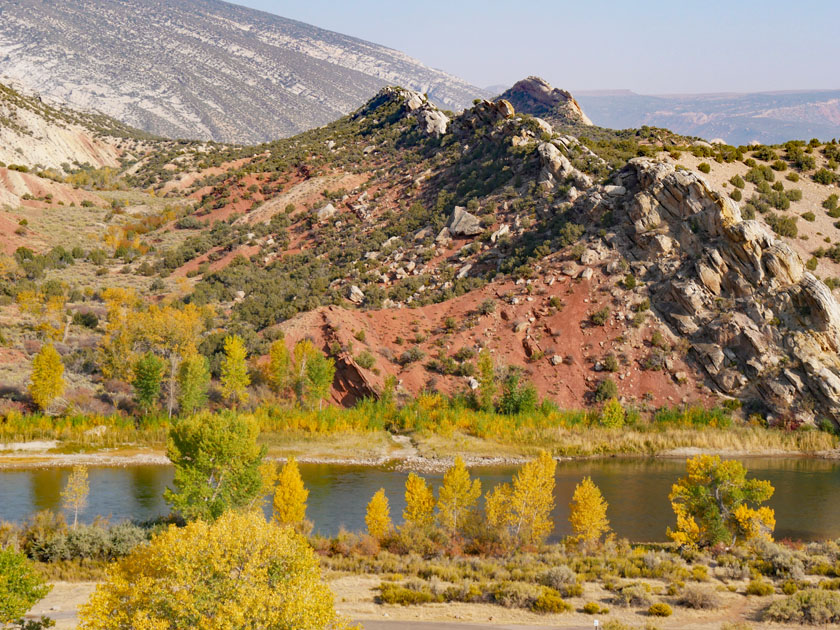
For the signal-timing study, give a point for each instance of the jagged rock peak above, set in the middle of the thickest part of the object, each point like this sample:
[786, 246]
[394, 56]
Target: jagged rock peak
[431, 120]
[537, 97]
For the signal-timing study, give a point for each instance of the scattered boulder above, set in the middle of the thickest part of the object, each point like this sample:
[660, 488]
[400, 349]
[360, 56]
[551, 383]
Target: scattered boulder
[325, 212]
[356, 295]
[463, 223]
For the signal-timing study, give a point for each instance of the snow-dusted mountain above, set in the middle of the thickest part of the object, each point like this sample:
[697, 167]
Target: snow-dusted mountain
[203, 68]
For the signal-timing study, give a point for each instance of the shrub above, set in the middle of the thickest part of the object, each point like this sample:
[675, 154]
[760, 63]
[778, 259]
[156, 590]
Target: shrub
[761, 588]
[606, 389]
[783, 226]
[559, 577]
[824, 176]
[737, 181]
[634, 595]
[830, 202]
[391, 593]
[517, 594]
[736, 195]
[550, 602]
[704, 167]
[611, 363]
[365, 360]
[700, 597]
[600, 317]
[812, 606]
[593, 608]
[660, 609]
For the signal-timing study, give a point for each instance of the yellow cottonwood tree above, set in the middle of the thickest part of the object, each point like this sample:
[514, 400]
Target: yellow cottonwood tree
[234, 376]
[47, 377]
[75, 494]
[236, 572]
[290, 496]
[588, 512]
[457, 496]
[378, 515]
[523, 507]
[278, 370]
[419, 502]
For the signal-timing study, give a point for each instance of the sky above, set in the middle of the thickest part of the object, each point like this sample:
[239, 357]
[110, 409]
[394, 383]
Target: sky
[648, 46]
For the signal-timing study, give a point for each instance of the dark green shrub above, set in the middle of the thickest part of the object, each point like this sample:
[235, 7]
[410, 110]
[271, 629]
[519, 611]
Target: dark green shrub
[704, 167]
[606, 389]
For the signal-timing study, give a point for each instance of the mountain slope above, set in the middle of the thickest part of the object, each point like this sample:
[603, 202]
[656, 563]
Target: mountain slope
[768, 118]
[203, 68]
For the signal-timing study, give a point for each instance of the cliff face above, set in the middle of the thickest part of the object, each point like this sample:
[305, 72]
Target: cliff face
[204, 69]
[761, 326]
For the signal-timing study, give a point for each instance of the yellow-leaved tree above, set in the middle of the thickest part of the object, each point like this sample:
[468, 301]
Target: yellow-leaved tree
[457, 496]
[234, 376]
[419, 502]
[290, 496]
[378, 515]
[588, 512]
[75, 494]
[278, 369]
[47, 377]
[716, 503]
[236, 572]
[523, 508]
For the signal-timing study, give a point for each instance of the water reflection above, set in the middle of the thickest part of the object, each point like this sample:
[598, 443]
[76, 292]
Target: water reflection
[637, 491]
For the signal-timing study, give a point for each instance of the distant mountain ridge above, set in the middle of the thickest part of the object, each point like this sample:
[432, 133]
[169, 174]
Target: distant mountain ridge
[766, 117]
[203, 69]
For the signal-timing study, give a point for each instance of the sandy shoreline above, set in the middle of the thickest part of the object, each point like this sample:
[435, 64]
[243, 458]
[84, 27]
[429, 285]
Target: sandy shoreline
[24, 458]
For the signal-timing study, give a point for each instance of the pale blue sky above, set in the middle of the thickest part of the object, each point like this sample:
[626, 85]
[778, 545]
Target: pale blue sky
[649, 46]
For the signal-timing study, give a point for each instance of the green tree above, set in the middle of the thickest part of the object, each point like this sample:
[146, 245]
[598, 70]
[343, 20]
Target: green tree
[320, 372]
[486, 381]
[234, 377]
[21, 586]
[148, 375]
[279, 367]
[217, 464]
[47, 377]
[193, 383]
[715, 502]
[457, 496]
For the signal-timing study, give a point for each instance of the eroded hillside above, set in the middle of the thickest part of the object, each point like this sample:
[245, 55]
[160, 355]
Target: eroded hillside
[403, 240]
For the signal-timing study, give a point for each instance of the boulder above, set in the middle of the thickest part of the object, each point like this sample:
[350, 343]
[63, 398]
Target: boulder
[356, 295]
[326, 212]
[462, 223]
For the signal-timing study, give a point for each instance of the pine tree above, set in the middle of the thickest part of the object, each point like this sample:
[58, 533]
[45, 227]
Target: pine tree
[378, 515]
[419, 502]
[524, 507]
[457, 496]
[320, 372]
[75, 494]
[290, 496]
[588, 512]
[148, 374]
[486, 381]
[47, 377]
[279, 367]
[234, 377]
[193, 383]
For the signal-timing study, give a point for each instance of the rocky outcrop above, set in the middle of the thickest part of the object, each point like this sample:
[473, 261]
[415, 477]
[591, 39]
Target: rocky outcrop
[761, 326]
[431, 120]
[537, 97]
[463, 223]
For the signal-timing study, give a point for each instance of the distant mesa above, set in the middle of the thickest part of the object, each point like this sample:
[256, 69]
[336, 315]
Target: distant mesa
[537, 97]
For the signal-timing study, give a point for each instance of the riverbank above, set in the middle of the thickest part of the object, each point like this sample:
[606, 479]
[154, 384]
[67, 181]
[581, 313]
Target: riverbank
[432, 452]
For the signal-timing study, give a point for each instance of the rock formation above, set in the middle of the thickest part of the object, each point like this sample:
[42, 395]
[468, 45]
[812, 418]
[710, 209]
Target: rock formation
[536, 97]
[762, 328]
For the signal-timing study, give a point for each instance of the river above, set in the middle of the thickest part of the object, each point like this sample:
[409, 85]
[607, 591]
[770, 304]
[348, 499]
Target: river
[636, 490]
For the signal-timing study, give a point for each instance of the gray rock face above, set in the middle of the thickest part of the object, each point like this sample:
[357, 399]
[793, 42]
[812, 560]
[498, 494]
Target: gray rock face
[739, 294]
[251, 76]
[462, 223]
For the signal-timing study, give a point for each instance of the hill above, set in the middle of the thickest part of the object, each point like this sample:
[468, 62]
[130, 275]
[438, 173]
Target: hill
[203, 69]
[738, 119]
[403, 240]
